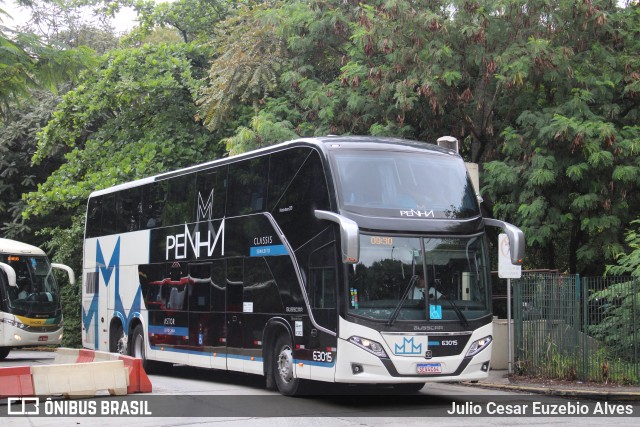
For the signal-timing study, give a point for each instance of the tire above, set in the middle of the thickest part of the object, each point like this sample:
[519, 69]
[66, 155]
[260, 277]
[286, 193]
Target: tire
[137, 348]
[283, 368]
[408, 388]
[117, 339]
[4, 352]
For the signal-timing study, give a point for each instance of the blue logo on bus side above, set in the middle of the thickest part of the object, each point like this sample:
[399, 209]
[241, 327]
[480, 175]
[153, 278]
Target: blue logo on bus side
[107, 270]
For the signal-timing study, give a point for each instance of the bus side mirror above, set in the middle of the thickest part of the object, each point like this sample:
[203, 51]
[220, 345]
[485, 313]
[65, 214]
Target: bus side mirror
[72, 276]
[516, 238]
[349, 235]
[10, 272]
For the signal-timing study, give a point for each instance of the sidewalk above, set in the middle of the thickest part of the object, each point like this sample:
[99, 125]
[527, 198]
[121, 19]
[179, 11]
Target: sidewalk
[499, 379]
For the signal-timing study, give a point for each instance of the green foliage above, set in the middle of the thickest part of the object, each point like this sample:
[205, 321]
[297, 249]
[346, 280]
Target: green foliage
[18, 141]
[575, 144]
[628, 263]
[620, 309]
[65, 243]
[131, 117]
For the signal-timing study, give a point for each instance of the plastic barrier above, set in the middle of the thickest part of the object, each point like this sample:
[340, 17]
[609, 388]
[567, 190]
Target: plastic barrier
[138, 380]
[16, 381]
[80, 379]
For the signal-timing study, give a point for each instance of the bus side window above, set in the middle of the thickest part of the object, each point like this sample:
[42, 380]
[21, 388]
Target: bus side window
[94, 217]
[248, 186]
[260, 287]
[178, 208]
[199, 287]
[109, 214]
[129, 210]
[153, 201]
[322, 283]
[234, 285]
[218, 285]
[304, 192]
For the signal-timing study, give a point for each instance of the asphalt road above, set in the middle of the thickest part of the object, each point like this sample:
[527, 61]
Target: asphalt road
[184, 396]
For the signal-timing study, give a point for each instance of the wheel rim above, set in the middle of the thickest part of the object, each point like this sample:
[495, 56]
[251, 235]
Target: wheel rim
[285, 364]
[137, 347]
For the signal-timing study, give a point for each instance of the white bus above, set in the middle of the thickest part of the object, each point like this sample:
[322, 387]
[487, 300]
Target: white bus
[338, 259]
[30, 310]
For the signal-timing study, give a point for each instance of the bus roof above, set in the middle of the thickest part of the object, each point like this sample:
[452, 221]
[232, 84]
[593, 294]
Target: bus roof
[8, 246]
[323, 143]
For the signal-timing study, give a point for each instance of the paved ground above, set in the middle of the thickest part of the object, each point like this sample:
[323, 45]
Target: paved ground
[499, 379]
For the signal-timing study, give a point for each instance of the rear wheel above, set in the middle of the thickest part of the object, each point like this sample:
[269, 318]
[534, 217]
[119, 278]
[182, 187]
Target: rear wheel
[117, 339]
[283, 367]
[4, 352]
[138, 349]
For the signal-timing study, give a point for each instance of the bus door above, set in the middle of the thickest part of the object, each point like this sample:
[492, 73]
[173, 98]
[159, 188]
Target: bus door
[234, 314]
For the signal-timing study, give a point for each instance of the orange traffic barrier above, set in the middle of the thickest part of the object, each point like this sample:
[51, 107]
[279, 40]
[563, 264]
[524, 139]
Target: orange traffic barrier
[16, 381]
[138, 380]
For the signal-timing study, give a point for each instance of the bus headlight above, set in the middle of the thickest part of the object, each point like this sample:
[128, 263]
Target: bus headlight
[479, 345]
[372, 347]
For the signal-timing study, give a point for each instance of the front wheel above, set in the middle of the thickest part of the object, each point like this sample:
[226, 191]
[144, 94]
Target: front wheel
[283, 368]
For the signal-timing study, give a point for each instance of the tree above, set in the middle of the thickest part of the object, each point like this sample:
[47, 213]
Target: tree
[570, 172]
[131, 117]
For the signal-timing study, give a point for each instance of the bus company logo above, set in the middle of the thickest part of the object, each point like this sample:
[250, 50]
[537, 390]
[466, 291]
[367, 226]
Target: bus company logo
[178, 245]
[419, 214]
[205, 209]
[408, 346]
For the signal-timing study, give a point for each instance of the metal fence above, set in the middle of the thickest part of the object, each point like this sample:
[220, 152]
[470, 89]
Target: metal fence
[574, 328]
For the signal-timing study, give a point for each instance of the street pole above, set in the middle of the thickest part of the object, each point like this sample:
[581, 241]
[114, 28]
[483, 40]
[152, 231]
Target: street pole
[509, 343]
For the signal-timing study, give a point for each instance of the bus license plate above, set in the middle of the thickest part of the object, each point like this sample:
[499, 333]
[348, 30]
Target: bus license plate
[429, 368]
[43, 338]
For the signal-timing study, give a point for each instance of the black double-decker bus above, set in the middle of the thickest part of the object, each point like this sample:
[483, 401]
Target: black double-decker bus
[339, 259]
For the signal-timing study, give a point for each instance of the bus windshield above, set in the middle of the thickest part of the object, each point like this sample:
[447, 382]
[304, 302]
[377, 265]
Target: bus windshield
[419, 279]
[404, 184]
[36, 291]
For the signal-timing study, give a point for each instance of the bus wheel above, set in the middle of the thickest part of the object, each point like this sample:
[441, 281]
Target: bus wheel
[117, 339]
[408, 388]
[283, 367]
[4, 352]
[137, 349]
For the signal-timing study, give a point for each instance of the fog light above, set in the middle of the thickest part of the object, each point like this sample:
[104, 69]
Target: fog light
[17, 337]
[356, 369]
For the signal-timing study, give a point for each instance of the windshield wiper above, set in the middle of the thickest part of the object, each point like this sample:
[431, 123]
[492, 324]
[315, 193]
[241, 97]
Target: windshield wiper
[393, 317]
[459, 313]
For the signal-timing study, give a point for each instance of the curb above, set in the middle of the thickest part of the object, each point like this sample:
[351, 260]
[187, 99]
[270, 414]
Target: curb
[563, 392]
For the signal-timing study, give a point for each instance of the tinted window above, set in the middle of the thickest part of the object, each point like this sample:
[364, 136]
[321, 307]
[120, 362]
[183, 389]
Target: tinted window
[283, 167]
[302, 193]
[234, 285]
[247, 186]
[153, 202]
[199, 287]
[260, 288]
[129, 210]
[109, 215]
[179, 208]
[401, 184]
[94, 217]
